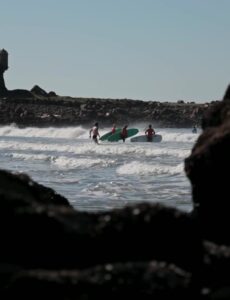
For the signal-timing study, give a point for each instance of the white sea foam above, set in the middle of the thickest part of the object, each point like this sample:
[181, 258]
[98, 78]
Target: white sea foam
[138, 168]
[76, 132]
[115, 149]
[50, 132]
[25, 156]
[173, 135]
[64, 162]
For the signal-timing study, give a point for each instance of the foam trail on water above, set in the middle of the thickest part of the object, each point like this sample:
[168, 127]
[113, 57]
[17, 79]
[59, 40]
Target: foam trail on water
[99, 150]
[25, 156]
[64, 162]
[138, 168]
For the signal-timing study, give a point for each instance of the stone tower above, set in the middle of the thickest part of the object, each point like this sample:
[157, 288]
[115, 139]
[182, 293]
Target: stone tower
[3, 68]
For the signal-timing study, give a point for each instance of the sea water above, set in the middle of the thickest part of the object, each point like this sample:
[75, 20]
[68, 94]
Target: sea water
[105, 176]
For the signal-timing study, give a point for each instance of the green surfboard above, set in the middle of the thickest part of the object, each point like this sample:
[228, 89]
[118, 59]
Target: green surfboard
[117, 136]
[108, 134]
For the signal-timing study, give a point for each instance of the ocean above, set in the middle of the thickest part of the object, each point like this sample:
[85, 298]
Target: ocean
[105, 176]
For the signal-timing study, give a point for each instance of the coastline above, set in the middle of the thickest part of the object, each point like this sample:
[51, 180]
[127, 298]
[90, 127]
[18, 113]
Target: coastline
[51, 110]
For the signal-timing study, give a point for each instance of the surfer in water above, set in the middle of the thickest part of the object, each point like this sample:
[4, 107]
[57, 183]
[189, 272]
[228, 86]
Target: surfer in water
[94, 133]
[124, 133]
[194, 130]
[113, 129]
[150, 132]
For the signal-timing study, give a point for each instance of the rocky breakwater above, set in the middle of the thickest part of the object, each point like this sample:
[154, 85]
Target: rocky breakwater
[146, 251]
[39, 108]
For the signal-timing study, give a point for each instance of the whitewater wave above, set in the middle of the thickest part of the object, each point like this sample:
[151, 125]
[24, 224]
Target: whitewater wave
[75, 132]
[90, 148]
[138, 168]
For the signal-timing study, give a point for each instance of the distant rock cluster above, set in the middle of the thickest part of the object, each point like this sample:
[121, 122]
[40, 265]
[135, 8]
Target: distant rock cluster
[39, 108]
[145, 251]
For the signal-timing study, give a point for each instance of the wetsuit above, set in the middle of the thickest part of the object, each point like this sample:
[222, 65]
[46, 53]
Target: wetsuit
[150, 133]
[124, 134]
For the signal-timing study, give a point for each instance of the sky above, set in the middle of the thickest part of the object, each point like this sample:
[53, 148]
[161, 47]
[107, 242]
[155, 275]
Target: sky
[151, 50]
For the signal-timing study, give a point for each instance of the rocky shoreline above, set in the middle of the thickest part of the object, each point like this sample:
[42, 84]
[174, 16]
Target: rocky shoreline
[39, 108]
[145, 251]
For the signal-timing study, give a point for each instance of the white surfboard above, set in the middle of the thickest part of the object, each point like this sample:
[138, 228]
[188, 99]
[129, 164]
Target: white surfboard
[143, 138]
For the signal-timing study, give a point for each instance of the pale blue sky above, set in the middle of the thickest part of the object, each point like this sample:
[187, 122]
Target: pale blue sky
[162, 50]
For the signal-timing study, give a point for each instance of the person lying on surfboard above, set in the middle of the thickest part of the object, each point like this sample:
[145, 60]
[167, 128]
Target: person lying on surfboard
[150, 132]
[124, 133]
[94, 131]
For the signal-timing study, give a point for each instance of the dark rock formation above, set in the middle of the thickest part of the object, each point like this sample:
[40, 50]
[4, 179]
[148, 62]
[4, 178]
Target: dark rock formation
[207, 168]
[39, 108]
[100, 238]
[145, 250]
[227, 94]
[151, 280]
[3, 68]
[39, 91]
[3, 90]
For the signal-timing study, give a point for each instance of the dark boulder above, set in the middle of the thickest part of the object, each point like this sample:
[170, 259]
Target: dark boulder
[207, 168]
[36, 90]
